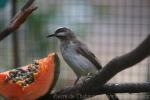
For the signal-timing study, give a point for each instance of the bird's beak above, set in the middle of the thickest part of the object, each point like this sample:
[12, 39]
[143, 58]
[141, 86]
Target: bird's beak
[51, 35]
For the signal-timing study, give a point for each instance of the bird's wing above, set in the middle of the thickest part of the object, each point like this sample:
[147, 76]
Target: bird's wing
[84, 51]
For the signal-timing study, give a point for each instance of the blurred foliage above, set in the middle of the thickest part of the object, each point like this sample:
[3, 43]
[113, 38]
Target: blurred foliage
[2, 20]
[37, 24]
[1, 24]
[3, 3]
[36, 28]
[81, 29]
[101, 10]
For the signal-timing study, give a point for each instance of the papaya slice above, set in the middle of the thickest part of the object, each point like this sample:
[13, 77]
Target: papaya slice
[31, 81]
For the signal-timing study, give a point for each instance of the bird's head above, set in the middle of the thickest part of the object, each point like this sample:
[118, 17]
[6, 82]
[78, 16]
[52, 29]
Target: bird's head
[63, 34]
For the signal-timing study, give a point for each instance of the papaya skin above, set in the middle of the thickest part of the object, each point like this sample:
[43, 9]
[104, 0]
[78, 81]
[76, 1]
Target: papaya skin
[43, 81]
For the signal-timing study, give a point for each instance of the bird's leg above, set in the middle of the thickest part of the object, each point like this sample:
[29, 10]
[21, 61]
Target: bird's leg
[89, 75]
[76, 81]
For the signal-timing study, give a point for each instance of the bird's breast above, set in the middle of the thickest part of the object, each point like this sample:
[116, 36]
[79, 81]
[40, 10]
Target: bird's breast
[79, 64]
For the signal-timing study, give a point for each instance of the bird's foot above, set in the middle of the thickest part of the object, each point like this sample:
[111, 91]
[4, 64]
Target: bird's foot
[76, 81]
[89, 75]
[83, 78]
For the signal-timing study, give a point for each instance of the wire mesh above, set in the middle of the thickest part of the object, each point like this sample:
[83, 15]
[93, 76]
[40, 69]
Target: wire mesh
[110, 28]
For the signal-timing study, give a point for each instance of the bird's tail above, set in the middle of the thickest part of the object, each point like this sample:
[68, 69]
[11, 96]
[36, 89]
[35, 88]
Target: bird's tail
[112, 97]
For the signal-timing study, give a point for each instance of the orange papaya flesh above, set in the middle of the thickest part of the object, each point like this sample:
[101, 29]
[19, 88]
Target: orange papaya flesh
[29, 82]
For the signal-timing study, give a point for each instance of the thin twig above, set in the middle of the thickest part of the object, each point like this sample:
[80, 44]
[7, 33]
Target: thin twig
[27, 4]
[18, 19]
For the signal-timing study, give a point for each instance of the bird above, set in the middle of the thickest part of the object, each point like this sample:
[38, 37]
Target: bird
[77, 55]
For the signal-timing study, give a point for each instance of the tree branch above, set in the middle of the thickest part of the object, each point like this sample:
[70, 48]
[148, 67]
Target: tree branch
[122, 88]
[18, 19]
[112, 68]
[104, 89]
[110, 88]
[123, 62]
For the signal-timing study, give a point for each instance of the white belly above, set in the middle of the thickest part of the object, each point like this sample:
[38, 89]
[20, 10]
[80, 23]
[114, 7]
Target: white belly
[79, 64]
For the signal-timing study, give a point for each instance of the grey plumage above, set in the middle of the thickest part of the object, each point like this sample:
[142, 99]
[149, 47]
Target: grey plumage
[77, 55]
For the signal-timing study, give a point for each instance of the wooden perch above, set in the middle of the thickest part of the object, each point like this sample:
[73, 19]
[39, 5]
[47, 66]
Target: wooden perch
[123, 88]
[105, 89]
[92, 85]
[18, 19]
